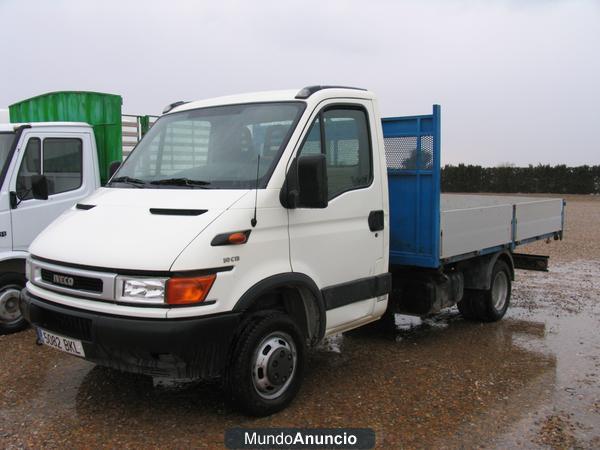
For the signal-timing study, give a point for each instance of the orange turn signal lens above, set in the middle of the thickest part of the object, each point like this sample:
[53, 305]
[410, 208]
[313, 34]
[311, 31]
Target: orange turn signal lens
[233, 238]
[186, 291]
[237, 238]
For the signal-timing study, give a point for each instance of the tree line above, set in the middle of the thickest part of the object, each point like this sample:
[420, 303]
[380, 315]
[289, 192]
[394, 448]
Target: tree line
[559, 179]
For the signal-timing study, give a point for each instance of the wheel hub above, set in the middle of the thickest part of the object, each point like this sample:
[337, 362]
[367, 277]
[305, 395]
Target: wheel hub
[280, 366]
[274, 365]
[9, 305]
[500, 290]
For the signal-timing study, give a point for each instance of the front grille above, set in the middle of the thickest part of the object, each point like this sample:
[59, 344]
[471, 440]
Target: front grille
[78, 282]
[70, 326]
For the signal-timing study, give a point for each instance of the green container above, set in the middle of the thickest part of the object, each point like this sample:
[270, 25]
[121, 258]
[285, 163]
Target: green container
[101, 111]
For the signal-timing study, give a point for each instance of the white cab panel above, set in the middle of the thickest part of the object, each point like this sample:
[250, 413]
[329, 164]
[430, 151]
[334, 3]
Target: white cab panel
[265, 254]
[120, 232]
[5, 223]
[31, 216]
[334, 245]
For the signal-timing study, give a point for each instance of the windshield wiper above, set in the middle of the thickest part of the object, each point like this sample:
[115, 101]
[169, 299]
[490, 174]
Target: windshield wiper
[129, 180]
[180, 182]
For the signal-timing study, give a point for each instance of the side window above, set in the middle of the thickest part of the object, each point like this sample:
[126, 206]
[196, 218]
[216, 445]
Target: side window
[60, 159]
[312, 144]
[347, 148]
[62, 164]
[30, 165]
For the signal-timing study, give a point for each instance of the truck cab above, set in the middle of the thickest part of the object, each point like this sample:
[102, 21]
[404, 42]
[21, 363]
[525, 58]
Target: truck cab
[58, 149]
[242, 230]
[45, 169]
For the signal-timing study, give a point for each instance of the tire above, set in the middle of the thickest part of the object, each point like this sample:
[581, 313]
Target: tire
[488, 305]
[11, 319]
[266, 365]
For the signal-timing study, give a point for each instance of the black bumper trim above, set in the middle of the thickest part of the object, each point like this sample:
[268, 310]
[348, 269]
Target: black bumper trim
[355, 291]
[184, 348]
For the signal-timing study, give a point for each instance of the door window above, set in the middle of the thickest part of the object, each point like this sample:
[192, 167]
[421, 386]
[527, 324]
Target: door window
[346, 146]
[59, 159]
[62, 164]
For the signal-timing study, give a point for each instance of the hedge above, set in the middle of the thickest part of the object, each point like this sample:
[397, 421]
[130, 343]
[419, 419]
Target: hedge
[542, 178]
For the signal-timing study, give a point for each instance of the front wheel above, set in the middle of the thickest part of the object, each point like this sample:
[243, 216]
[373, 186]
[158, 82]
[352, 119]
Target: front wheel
[11, 319]
[267, 364]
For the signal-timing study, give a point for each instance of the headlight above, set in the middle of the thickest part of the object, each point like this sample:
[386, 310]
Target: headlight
[171, 291]
[141, 290]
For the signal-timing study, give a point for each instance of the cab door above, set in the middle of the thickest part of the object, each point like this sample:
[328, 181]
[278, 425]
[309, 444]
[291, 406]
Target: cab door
[341, 247]
[58, 156]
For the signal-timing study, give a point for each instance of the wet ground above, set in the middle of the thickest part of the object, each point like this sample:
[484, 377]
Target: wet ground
[531, 380]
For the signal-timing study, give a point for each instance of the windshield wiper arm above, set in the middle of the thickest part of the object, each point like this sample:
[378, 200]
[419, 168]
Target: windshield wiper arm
[129, 180]
[180, 182]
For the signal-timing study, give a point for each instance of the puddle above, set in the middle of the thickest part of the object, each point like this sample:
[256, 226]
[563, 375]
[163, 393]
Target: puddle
[332, 343]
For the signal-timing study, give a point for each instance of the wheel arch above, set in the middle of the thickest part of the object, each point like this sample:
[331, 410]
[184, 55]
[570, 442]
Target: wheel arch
[13, 262]
[506, 256]
[297, 294]
[478, 271]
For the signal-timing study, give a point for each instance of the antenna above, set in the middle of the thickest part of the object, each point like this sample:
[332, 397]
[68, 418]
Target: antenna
[254, 221]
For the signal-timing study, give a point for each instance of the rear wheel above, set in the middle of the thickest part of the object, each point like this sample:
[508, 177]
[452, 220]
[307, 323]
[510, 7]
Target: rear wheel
[489, 305]
[267, 364]
[11, 319]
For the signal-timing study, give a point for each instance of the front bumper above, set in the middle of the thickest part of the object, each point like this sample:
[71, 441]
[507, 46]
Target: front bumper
[181, 348]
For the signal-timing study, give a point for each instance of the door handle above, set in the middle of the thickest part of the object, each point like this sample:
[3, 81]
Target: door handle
[376, 220]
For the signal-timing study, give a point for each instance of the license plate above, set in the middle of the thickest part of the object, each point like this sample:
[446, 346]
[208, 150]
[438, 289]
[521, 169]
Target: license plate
[62, 343]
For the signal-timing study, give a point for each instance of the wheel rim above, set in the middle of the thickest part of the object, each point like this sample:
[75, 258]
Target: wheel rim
[275, 361]
[500, 290]
[9, 305]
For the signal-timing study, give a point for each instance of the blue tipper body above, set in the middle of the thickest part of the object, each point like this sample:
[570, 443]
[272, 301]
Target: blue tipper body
[412, 147]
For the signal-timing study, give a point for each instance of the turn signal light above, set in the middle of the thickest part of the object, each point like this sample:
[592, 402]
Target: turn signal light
[186, 291]
[237, 238]
[233, 238]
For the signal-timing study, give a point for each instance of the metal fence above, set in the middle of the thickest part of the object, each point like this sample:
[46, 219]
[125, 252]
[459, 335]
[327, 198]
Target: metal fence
[134, 127]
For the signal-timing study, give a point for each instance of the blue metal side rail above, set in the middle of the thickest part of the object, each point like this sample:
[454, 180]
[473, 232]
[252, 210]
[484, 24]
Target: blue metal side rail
[412, 148]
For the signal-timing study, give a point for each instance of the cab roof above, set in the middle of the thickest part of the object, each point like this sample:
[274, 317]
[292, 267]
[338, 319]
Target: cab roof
[310, 93]
[7, 127]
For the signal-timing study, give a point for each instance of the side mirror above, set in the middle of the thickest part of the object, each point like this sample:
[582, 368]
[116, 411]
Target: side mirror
[39, 187]
[312, 181]
[112, 169]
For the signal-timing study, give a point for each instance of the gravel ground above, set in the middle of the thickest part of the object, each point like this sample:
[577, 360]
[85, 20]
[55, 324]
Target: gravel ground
[531, 380]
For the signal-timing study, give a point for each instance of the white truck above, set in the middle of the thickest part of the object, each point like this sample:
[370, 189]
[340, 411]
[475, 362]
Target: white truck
[243, 230]
[47, 165]
[45, 169]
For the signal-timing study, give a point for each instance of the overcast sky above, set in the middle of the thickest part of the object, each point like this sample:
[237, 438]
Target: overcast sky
[518, 80]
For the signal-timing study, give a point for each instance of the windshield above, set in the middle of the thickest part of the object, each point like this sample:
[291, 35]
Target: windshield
[222, 147]
[6, 141]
